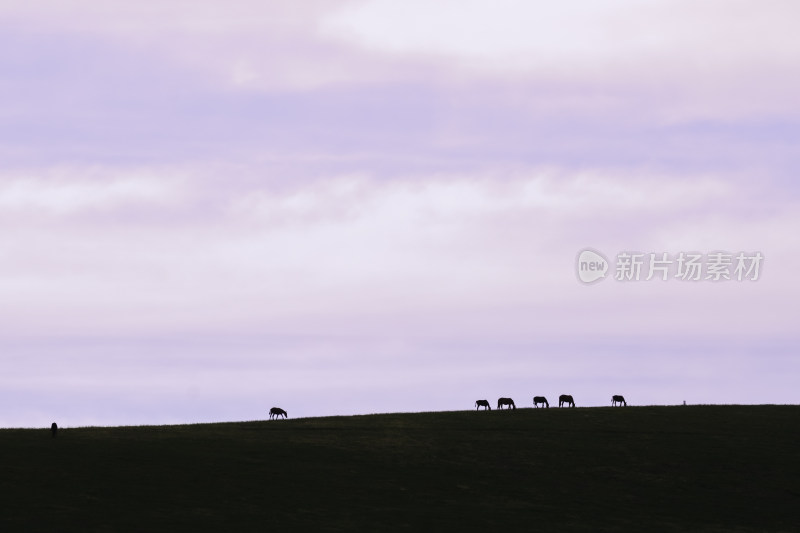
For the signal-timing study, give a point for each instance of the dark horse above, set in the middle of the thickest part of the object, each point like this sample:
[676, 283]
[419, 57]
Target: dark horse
[276, 412]
[540, 400]
[505, 401]
[617, 399]
[484, 404]
[566, 399]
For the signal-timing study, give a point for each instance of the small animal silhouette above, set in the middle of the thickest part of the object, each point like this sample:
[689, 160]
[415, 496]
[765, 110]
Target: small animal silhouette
[566, 399]
[277, 412]
[484, 404]
[53, 429]
[540, 400]
[505, 401]
[618, 400]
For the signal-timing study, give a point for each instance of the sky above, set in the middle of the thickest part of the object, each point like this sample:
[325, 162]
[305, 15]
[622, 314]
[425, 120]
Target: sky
[344, 207]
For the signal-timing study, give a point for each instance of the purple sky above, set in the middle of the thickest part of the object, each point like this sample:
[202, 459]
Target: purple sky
[336, 207]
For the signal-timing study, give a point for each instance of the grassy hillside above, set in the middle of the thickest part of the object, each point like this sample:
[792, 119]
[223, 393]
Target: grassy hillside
[694, 468]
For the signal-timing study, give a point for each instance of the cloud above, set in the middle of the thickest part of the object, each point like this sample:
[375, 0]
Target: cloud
[580, 35]
[236, 45]
[482, 196]
[698, 60]
[148, 86]
[57, 192]
[354, 252]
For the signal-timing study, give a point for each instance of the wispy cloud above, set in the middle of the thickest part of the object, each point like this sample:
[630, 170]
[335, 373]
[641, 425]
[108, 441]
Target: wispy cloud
[344, 248]
[581, 37]
[62, 191]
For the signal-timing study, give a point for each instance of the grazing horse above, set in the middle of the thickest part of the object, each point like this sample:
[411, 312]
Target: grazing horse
[617, 399]
[277, 412]
[484, 404]
[566, 399]
[505, 401]
[540, 400]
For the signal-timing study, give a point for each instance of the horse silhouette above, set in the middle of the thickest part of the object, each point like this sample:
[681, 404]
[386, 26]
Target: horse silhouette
[484, 404]
[505, 401]
[566, 399]
[53, 429]
[276, 412]
[618, 400]
[540, 399]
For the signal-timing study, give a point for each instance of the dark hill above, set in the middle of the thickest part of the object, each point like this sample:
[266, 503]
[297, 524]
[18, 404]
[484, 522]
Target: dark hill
[693, 468]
